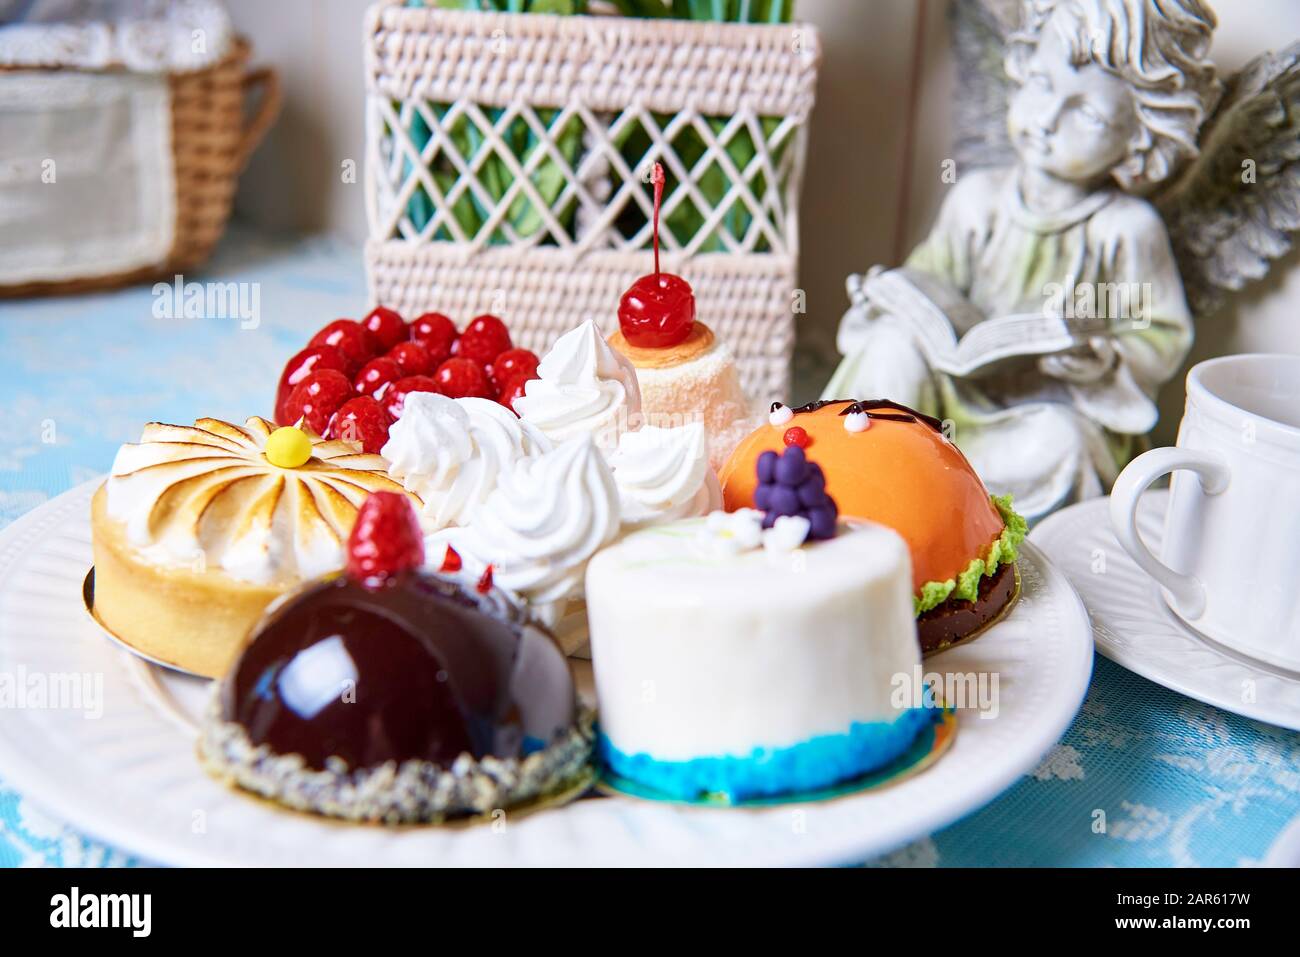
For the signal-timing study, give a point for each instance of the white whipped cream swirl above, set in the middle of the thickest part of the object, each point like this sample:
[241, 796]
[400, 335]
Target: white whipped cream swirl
[664, 474]
[452, 452]
[546, 518]
[585, 388]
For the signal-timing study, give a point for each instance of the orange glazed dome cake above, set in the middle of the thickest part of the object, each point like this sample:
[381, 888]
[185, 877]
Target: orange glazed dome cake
[889, 464]
[199, 528]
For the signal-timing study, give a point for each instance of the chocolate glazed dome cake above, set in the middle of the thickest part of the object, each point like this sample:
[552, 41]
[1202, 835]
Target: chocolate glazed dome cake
[392, 695]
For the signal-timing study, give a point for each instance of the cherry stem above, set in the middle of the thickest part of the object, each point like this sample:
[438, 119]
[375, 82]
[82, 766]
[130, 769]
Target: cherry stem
[657, 178]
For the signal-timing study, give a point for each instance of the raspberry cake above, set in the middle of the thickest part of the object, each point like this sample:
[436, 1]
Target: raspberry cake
[352, 380]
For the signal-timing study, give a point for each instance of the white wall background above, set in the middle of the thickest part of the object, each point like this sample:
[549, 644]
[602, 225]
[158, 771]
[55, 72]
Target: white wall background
[855, 212]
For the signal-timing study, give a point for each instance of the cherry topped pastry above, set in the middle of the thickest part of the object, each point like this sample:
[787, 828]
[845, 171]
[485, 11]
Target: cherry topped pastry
[391, 694]
[683, 371]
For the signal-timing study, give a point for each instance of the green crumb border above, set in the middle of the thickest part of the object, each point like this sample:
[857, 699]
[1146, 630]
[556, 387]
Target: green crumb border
[965, 587]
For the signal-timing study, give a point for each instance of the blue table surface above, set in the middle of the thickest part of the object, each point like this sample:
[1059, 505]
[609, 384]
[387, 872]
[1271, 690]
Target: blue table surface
[1144, 776]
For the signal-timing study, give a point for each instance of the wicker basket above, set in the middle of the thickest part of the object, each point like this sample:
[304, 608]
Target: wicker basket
[586, 88]
[211, 141]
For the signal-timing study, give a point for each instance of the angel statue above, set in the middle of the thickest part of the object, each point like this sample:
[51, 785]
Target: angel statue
[1127, 189]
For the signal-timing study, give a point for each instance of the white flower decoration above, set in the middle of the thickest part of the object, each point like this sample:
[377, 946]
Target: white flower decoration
[787, 533]
[730, 533]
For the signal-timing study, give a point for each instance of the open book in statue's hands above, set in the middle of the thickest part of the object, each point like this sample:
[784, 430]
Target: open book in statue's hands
[954, 335]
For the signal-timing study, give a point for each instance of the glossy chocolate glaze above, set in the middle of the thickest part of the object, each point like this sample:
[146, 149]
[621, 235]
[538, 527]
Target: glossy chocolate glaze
[953, 620]
[419, 668]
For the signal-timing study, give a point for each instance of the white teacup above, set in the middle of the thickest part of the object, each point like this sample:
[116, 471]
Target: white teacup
[1230, 561]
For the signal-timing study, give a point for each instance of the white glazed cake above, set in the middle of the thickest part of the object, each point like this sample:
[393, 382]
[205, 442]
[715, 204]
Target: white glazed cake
[730, 662]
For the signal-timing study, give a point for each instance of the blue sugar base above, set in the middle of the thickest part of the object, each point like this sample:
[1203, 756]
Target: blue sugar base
[811, 765]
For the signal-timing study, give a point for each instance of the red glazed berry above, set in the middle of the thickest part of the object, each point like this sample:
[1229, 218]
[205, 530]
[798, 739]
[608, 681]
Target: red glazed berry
[385, 327]
[436, 333]
[311, 359]
[316, 398]
[353, 342]
[658, 310]
[509, 365]
[450, 561]
[513, 390]
[395, 393]
[413, 359]
[485, 581]
[483, 340]
[796, 435]
[385, 540]
[376, 374]
[461, 378]
[362, 422]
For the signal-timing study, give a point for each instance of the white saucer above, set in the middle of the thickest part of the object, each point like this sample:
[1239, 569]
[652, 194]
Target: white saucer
[1285, 851]
[130, 777]
[1135, 628]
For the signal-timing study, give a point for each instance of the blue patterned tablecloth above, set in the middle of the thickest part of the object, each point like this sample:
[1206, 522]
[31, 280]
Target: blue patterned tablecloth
[1143, 777]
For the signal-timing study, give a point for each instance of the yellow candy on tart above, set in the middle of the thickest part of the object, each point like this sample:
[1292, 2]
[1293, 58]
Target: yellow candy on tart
[288, 447]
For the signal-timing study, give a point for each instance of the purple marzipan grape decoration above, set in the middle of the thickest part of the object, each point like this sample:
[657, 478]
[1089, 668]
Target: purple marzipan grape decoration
[788, 484]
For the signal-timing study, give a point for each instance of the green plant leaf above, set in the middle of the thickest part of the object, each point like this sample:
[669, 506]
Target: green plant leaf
[558, 7]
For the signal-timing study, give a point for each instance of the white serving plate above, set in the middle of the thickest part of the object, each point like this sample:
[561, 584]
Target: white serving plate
[130, 778]
[1135, 628]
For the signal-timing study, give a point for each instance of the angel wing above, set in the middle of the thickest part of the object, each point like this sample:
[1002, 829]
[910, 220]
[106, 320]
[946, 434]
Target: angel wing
[979, 30]
[1236, 206]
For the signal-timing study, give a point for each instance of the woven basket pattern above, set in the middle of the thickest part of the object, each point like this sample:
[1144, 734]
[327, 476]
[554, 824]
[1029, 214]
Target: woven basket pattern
[557, 238]
[211, 142]
[209, 146]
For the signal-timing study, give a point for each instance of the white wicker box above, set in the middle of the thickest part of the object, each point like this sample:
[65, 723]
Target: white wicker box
[557, 238]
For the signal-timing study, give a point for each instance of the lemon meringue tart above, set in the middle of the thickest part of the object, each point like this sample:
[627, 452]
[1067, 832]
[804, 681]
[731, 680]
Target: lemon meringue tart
[198, 528]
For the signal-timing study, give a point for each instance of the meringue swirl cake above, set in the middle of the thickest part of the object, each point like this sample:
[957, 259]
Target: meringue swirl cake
[198, 529]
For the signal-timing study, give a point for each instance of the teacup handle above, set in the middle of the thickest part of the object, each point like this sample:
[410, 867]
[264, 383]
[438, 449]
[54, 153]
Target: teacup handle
[1211, 468]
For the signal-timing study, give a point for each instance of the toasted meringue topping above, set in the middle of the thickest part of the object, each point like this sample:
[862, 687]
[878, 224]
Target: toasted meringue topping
[207, 495]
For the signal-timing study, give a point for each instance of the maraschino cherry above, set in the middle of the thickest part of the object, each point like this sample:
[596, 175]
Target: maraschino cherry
[658, 310]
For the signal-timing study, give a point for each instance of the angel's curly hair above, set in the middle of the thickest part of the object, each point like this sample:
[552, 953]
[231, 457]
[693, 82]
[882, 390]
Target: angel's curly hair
[1158, 47]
